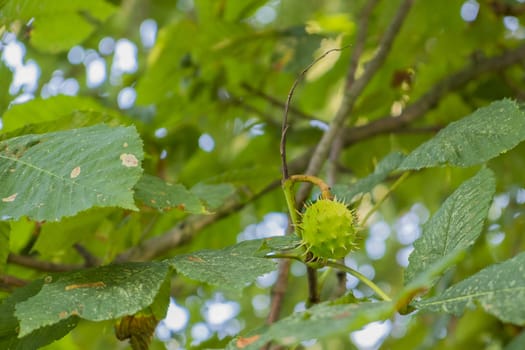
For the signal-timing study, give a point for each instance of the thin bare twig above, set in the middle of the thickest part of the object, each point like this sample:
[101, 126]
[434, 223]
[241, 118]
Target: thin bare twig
[285, 125]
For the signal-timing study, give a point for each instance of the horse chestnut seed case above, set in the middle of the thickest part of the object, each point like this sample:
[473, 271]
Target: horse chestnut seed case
[328, 229]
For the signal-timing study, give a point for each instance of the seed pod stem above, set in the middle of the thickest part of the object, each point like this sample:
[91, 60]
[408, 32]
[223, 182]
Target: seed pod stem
[323, 186]
[359, 276]
[290, 197]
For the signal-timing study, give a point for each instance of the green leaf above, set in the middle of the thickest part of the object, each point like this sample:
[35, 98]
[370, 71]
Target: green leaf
[59, 24]
[455, 226]
[5, 230]
[156, 193]
[517, 343]
[231, 268]
[160, 304]
[49, 176]
[97, 294]
[49, 110]
[55, 237]
[278, 244]
[499, 289]
[213, 195]
[321, 320]
[475, 139]
[367, 184]
[9, 324]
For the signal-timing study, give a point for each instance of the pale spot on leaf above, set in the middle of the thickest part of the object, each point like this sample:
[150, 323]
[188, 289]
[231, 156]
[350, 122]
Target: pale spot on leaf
[195, 259]
[11, 198]
[243, 342]
[75, 172]
[125, 144]
[129, 160]
[86, 285]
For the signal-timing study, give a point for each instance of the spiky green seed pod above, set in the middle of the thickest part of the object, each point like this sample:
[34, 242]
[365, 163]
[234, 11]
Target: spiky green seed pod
[329, 229]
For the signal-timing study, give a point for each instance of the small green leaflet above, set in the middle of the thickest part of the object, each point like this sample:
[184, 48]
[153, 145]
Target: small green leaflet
[367, 184]
[97, 294]
[319, 321]
[499, 289]
[156, 193]
[455, 226]
[230, 268]
[49, 176]
[475, 139]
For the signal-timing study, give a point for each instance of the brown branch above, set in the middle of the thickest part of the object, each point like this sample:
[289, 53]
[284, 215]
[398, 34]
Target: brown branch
[184, 232]
[431, 99]
[90, 259]
[44, 266]
[360, 41]
[278, 291]
[7, 282]
[359, 46]
[285, 126]
[353, 89]
[313, 287]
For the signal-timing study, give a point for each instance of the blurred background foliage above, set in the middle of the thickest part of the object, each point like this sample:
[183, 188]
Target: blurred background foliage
[205, 83]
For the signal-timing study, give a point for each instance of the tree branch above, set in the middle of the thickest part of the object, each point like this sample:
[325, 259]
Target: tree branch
[44, 266]
[359, 47]
[183, 232]
[7, 282]
[431, 99]
[278, 291]
[353, 89]
[313, 287]
[90, 259]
